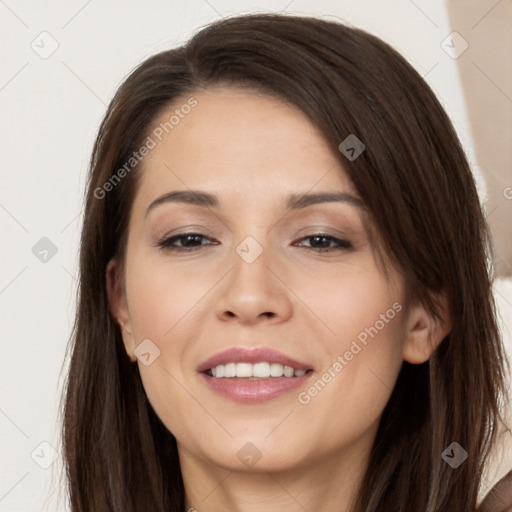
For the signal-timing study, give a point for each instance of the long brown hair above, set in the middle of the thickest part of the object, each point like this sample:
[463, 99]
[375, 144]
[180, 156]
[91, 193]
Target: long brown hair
[418, 189]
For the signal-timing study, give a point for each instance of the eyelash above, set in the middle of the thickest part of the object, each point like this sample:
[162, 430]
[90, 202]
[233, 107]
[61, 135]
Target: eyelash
[166, 243]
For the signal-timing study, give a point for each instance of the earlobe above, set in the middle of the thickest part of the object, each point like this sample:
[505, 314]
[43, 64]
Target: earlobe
[424, 331]
[118, 306]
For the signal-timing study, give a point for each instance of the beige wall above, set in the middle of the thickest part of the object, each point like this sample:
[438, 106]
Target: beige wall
[485, 71]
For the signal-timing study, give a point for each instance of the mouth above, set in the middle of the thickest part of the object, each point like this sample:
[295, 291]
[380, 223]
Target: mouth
[253, 375]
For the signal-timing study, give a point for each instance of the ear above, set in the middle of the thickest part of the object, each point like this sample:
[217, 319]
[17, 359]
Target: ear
[118, 305]
[424, 332]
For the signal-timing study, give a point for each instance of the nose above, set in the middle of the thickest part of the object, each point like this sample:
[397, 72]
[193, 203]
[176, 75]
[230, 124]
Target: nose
[254, 292]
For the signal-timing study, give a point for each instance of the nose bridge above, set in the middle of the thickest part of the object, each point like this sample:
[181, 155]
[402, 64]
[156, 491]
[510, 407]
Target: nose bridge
[251, 290]
[251, 262]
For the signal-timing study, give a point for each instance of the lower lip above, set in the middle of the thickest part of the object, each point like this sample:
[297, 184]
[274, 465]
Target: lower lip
[254, 391]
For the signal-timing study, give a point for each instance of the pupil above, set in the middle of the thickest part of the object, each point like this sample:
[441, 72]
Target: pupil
[190, 238]
[318, 238]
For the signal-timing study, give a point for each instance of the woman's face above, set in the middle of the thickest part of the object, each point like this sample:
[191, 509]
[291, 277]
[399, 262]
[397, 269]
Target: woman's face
[271, 266]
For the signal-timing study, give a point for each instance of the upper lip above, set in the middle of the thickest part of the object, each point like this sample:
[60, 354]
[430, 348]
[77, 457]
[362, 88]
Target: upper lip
[251, 355]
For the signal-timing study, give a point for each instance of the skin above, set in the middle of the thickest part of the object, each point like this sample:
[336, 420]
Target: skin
[252, 152]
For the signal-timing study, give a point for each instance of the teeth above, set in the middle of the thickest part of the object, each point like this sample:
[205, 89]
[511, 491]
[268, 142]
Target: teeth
[288, 371]
[261, 370]
[230, 370]
[243, 370]
[276, 370]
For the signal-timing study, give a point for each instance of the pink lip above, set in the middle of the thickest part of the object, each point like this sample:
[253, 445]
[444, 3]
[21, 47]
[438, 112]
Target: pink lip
[258, 390]
[253, 391]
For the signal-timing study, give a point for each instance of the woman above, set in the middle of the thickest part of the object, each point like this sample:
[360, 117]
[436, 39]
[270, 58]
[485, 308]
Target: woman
[285, 301]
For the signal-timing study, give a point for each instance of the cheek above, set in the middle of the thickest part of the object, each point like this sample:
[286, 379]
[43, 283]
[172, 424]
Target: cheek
[349, 394]
[349, 300]
[162, 300]
[165, 307]
[364, 334]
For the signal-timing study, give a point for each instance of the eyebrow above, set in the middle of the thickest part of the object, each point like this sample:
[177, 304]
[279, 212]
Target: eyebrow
[293, 202]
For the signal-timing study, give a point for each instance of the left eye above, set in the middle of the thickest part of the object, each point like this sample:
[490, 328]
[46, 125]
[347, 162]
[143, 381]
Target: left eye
[321, 243]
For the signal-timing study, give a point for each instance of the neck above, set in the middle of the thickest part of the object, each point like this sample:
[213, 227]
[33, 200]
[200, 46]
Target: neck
[329, 483]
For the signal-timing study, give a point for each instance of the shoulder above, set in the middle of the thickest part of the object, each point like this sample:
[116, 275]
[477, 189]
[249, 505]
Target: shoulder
[499, 498]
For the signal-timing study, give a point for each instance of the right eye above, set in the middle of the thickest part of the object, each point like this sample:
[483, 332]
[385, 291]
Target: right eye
[188, 242]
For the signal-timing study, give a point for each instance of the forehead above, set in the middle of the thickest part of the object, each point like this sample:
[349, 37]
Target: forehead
[239, 144]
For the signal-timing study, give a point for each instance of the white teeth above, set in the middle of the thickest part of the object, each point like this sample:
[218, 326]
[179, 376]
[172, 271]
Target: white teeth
[276, 370]
[230, 370]
[288, 371]
[261, 370]
[243, 370]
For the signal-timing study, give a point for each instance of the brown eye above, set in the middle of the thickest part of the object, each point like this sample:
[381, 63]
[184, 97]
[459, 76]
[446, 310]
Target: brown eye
[187, 242]
[322, 243]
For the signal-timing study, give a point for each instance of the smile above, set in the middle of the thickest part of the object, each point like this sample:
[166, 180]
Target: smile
[262, 370]
[253, 374]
